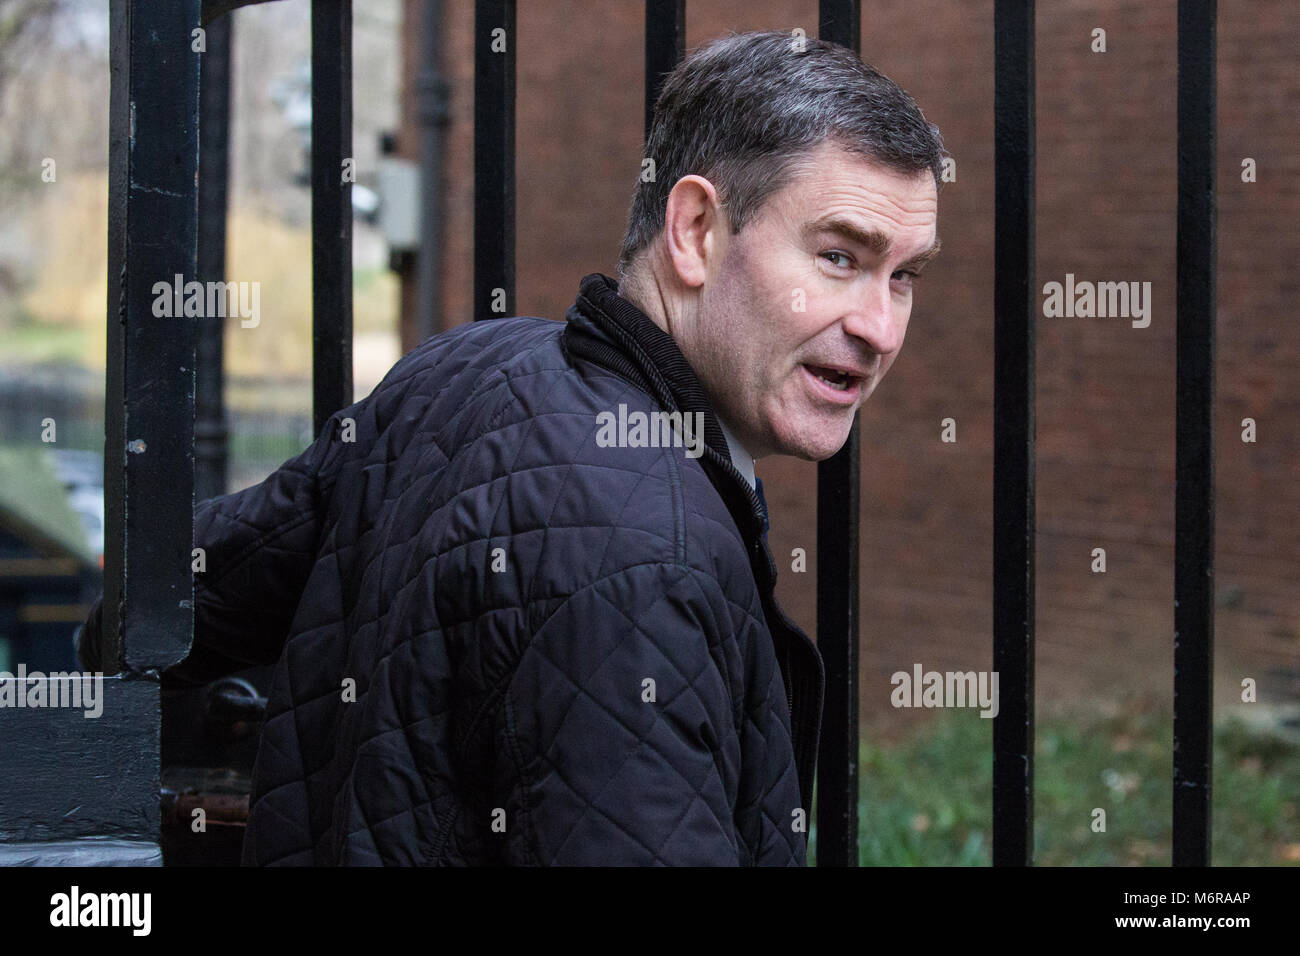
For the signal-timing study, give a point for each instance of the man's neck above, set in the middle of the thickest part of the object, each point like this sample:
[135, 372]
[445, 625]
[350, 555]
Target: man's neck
[632, 289]
[647, 295]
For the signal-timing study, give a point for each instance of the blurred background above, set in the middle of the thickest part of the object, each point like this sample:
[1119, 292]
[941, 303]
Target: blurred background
[1106, 166]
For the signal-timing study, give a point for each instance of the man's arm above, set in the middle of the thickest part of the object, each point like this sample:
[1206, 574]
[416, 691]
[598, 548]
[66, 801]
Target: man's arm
[259, 546]
[617, 733]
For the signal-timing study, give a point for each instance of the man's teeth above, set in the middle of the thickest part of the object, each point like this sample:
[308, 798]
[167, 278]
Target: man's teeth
[838, 386]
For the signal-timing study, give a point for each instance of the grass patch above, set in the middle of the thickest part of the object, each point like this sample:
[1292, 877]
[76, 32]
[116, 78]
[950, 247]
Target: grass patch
[39, 343]
[927, 801]
[277, 448]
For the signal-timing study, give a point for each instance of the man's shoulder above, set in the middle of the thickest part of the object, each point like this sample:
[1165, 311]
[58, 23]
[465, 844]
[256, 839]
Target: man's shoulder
[587, 513]
[580, 468]
[517, 368]
[472, 346]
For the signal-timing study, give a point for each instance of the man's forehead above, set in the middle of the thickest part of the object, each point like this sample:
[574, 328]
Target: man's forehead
[863, 202]
[832, 179]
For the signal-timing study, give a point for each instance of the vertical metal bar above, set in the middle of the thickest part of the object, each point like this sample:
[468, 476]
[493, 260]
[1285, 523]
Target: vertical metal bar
[494, 158]
[119, 176]
[434, 116]
[149, 406]
[332, 175]
[1194, 455]
[1014, 308]
[210, 433]
[665, 45]
[838, 480]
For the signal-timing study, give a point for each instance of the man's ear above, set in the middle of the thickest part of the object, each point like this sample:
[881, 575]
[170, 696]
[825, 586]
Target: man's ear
[693, 228]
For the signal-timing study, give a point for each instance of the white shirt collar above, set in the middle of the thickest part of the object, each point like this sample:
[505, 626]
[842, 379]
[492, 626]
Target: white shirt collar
[741, 458]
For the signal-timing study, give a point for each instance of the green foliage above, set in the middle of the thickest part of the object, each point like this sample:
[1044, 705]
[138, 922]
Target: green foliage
[32, 344]
[927, 801]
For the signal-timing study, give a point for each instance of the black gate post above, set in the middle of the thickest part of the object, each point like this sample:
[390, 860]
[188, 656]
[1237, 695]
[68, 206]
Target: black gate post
[210, 431]
[1014, 307]
[81, 787]
[838, 481]
[1194, 443]
[665, 45]
[333, 170]
[494, 158]
[149, 412]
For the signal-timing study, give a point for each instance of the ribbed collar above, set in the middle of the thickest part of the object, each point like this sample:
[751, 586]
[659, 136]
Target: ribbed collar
[613, 332]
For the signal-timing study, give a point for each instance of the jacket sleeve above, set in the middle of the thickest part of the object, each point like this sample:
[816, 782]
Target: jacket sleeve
[259, 546]
[618, 738]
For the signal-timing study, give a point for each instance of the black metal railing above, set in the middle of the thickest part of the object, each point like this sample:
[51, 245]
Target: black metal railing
[1194, 441]
[838, 482]
[211, 434]
[494, 158]
[332, 174]
[154, 234]
[1015, 304]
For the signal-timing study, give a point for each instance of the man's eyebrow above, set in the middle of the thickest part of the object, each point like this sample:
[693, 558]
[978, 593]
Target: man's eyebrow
[921, 258]
[872, 239]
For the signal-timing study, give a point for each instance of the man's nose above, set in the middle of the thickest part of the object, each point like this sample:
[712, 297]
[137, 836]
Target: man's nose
[879, 319]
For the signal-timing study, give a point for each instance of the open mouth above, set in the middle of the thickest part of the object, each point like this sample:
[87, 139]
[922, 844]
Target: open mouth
[843, 382]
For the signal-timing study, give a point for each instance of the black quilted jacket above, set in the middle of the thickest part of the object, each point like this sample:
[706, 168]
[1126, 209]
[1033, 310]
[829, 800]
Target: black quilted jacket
[497, 642]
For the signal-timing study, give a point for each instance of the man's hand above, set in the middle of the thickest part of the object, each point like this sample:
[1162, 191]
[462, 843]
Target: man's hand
[88, 639]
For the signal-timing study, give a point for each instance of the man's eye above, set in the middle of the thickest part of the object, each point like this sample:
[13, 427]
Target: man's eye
[908, 275]
[827, 255]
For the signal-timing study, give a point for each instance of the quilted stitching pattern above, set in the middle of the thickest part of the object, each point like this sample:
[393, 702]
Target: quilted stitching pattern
[499, 715]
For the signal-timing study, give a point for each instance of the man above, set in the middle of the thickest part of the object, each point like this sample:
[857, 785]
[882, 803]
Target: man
[514, 624]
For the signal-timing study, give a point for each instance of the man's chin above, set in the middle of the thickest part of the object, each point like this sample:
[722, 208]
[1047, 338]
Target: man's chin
[813, 448]
[821, 455]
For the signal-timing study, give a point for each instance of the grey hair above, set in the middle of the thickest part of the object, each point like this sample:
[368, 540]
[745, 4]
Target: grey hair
[744, 110]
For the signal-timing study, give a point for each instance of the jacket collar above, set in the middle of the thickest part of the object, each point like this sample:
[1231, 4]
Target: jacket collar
[614, 333]
[607, 329]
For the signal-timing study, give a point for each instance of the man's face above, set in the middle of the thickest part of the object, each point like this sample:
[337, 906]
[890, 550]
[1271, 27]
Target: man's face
[817, 286]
